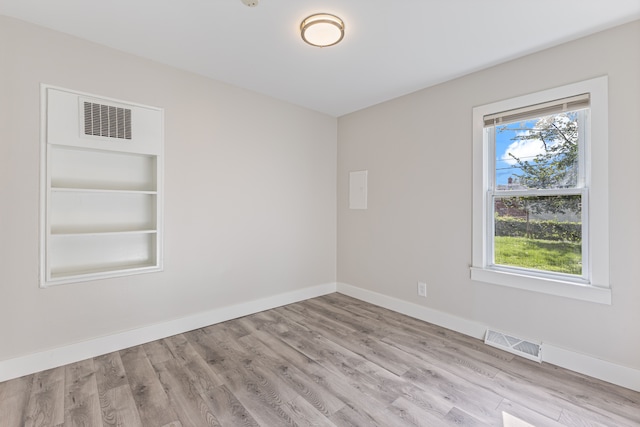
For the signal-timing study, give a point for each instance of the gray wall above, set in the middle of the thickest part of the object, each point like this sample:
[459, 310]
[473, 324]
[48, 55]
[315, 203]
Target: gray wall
[418, 152]
[250, 187]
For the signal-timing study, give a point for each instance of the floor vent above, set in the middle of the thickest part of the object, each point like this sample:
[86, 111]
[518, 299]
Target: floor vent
[527, 349]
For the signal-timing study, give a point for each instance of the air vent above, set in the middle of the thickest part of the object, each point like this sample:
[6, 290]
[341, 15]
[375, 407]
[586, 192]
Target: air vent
[527, 349]
[107, 121]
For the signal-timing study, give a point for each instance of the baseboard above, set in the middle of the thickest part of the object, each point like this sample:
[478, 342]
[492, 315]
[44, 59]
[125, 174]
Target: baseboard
[555, 355]
[36, 362]
[591, 366]
[458, 324]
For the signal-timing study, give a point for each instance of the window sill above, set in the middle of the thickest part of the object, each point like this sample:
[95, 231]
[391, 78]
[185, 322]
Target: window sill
[560, 288]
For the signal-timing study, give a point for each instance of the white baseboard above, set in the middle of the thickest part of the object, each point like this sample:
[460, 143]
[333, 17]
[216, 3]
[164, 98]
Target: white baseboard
[584, 364]
[591, 366]
[25, 365]
[458, 324]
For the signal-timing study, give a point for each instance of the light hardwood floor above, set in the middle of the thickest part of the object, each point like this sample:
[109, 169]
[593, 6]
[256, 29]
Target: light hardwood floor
[329, 361]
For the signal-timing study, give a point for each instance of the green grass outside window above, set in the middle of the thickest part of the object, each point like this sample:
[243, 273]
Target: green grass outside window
[546, 255]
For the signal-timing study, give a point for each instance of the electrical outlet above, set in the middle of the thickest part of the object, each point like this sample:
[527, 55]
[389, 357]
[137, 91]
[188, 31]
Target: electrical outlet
[422, 289]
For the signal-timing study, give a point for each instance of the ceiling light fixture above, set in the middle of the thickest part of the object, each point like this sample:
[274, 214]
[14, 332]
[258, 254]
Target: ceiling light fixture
[322, 30]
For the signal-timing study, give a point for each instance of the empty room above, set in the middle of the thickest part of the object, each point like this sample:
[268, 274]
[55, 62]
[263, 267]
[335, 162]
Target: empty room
[335, 213]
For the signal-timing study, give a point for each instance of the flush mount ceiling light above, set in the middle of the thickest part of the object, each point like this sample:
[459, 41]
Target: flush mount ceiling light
[322, 30]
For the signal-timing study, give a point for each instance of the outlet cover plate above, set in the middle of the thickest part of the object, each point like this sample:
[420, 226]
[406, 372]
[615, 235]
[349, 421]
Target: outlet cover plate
[422, 289]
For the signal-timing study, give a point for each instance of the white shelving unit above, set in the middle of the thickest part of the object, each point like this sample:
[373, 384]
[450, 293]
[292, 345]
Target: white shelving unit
[102, 187]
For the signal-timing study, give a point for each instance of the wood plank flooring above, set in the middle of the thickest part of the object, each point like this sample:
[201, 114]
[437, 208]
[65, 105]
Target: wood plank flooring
[328, 361]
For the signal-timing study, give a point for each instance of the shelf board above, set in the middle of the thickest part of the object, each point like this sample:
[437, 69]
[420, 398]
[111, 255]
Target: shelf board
[100, 190]
[85, 273]
[61, 232]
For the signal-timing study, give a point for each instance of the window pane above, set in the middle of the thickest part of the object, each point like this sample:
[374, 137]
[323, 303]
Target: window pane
[539, 232]
[540, 153]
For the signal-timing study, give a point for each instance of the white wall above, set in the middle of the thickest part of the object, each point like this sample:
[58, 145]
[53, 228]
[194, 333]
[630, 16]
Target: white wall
[250, 190]
[418, 152]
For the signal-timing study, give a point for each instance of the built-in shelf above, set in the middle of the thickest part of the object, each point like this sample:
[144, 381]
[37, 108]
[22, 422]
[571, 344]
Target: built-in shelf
[102, 199]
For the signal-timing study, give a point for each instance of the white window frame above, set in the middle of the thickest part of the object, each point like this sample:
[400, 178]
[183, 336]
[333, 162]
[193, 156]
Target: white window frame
[594, 284]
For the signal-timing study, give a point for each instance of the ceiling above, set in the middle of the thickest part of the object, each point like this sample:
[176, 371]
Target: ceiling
[391, 47]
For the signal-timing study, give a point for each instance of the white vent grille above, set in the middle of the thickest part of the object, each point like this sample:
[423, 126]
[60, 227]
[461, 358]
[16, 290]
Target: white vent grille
[527, 349]
[107, 121]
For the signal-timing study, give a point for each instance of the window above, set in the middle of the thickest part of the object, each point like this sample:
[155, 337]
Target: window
[540, 192]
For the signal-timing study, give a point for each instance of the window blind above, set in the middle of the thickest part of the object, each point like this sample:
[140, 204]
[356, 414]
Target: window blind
[572, 103]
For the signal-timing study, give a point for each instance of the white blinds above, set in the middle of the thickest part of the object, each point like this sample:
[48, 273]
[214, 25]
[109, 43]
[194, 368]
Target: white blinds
[572, 103]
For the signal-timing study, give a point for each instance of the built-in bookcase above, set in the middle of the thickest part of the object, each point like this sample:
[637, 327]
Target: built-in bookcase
[102, 187]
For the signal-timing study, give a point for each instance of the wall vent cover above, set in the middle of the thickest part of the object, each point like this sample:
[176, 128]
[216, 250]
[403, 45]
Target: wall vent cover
[107, 121]
[527, 349]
